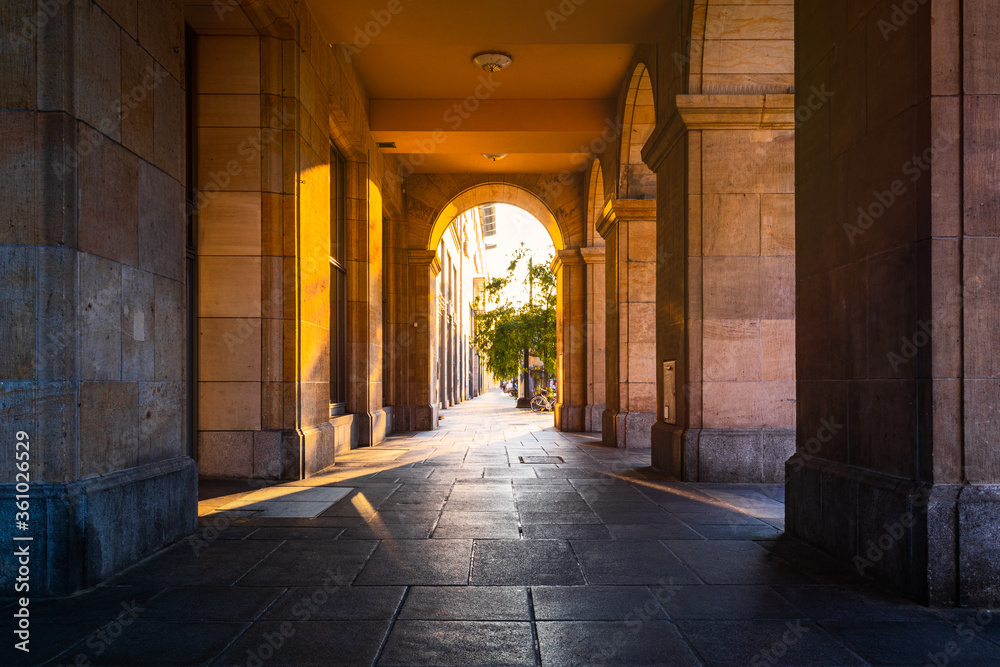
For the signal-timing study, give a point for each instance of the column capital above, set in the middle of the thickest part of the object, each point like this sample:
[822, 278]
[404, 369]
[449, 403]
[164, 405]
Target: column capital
[426, 258]
[624, 210]
[569, 256]
[593, 255]
[719, 112]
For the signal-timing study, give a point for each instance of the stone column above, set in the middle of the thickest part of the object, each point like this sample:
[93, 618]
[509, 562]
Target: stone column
[595, 360]
[725, 288]
[571, 298]
[419, 407]
[364, 275]
[897, 469]
[629, 230]
[92, 245]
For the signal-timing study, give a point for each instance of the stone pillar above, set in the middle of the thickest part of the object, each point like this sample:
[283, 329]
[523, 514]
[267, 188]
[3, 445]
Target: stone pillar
[92, 245]
[595, 354]
[420, 405]
[364, 276]
[897, 469]
[571, 299]
[725, 288]
[629, 230]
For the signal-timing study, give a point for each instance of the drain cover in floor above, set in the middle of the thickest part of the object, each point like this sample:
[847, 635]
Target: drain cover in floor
[541, 459]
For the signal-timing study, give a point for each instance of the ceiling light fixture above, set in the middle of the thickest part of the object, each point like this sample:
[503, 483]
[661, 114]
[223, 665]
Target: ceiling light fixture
[494, 156]
[492, 61]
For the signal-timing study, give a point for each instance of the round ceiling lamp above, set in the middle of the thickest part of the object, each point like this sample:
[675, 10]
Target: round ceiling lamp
[492, 61]
[494, 156]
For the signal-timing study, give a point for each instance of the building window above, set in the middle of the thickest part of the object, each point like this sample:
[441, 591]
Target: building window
[338, 285]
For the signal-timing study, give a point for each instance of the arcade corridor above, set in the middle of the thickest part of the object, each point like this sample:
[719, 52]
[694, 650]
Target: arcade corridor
[229, 253]
[448, 550]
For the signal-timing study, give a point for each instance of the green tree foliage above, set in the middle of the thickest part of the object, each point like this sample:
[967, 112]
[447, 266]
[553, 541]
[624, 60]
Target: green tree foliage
[504, 329]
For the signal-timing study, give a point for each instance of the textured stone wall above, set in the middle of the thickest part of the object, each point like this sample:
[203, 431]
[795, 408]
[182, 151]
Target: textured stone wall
[92, 247]
[896, 195]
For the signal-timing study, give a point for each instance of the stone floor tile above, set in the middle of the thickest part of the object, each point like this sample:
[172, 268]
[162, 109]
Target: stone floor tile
[415, 562]
[311, 563]
[485, 529]
[403, 516]
[192, 563]
[725, 602]
[565, 531]
[673, 530]
[524, 563]
[742, 643]
[466, 603]
[307, 644]
[595, 603]
[459, 643]
[337, 603]
[51, 638]
[613, 643]
[209, 603]
[158, 643]
[577, 518]
[937, 643]
[388, 531]
[843, 603]
[296, 533]
[735, 562]
[645, 562]
[760, 532]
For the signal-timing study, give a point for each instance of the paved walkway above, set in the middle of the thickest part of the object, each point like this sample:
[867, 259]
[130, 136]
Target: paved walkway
[496, 540]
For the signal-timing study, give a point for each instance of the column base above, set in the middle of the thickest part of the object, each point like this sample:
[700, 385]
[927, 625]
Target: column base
[629, 430]
[417, 417]
[935, 543]
[86, 531]
[667, 444]
[570, 418]
[371, 427]
[726, 455]
[306, 451]
[592, 417]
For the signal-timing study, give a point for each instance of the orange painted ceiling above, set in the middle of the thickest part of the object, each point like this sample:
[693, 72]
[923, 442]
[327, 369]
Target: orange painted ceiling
[415, 58]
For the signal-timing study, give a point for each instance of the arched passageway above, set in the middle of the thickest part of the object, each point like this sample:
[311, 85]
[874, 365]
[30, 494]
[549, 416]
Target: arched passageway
[218, 227]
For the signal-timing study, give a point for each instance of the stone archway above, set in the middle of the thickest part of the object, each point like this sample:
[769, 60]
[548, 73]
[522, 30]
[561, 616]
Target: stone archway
[433, 201]
[496, 193]
[636, 180]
